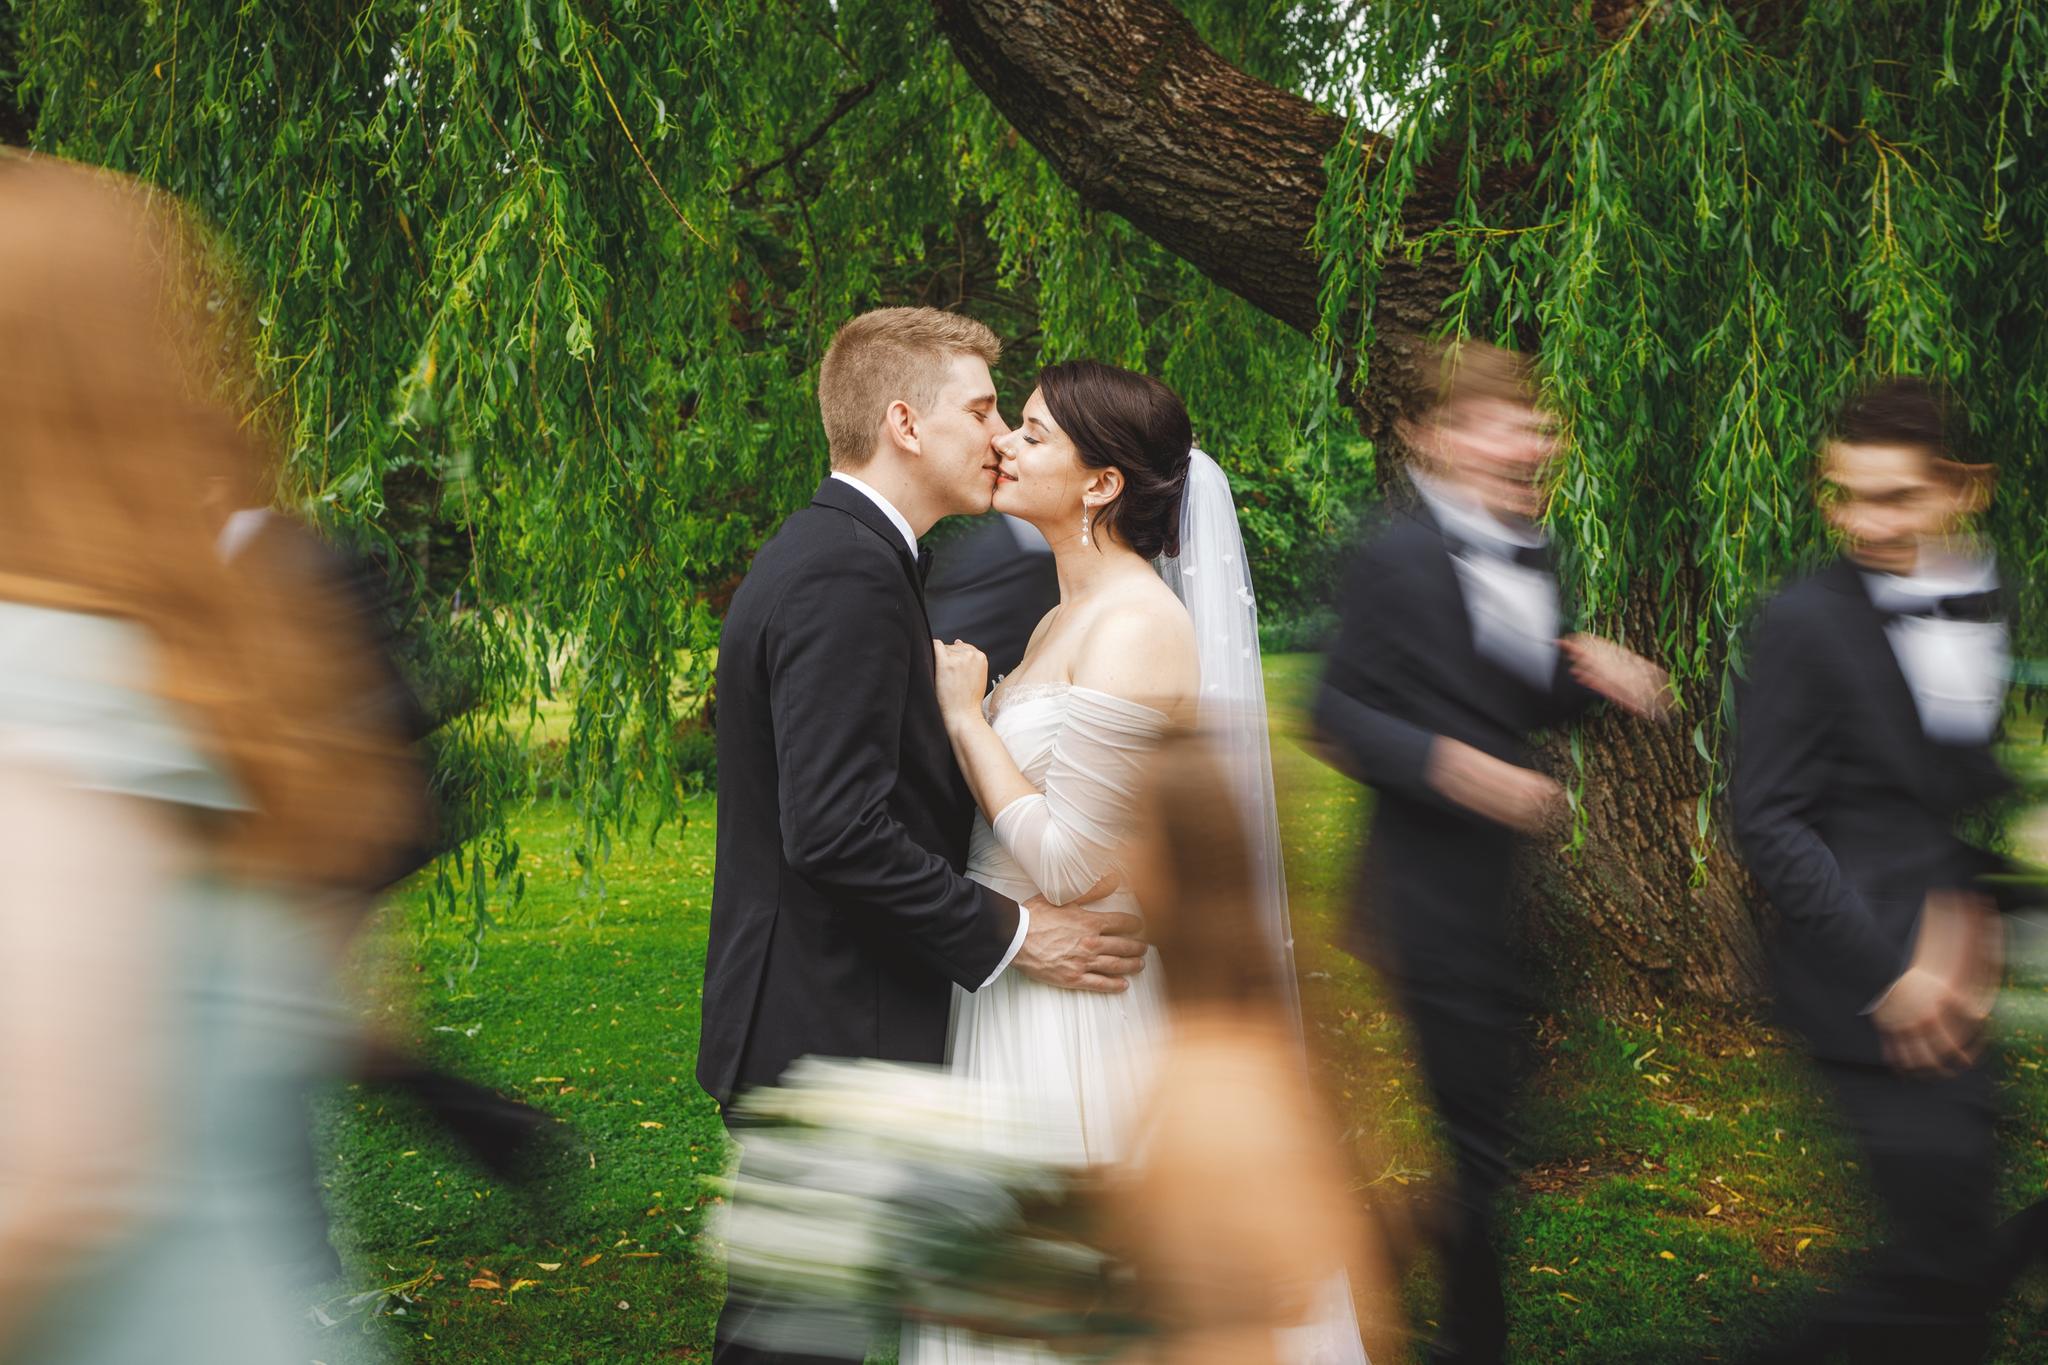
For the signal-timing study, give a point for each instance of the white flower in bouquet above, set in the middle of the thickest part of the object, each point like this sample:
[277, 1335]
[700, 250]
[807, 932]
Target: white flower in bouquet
[873, 1191]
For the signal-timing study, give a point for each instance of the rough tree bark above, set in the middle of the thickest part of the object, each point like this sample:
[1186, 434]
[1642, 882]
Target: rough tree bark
[1143, 119]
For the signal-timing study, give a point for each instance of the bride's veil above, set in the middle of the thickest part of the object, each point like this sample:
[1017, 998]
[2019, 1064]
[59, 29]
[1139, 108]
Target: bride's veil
[1213, 578]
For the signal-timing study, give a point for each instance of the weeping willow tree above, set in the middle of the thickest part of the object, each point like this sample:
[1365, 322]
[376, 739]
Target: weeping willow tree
[1712, 220]
[541, 289]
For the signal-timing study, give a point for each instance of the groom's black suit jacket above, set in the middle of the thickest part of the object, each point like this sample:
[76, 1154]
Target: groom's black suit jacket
[839, 918]
[1846, 811]
[1434, 895]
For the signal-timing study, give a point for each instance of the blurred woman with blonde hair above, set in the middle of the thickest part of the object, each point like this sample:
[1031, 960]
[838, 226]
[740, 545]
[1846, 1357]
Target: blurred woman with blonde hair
[176, 789]
[1237, 1214]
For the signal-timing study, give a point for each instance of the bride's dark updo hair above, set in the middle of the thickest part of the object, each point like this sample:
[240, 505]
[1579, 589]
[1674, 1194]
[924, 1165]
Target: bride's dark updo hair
[1132, 423]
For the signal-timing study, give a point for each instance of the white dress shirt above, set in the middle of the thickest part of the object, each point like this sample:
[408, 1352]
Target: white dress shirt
[1956, 670]
[902, 524]
[1513, 608]
[895, 517]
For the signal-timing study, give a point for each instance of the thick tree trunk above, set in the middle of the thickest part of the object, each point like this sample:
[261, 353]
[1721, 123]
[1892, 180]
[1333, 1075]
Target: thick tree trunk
[1143, 119]
[1639, 907]
[1627, 915]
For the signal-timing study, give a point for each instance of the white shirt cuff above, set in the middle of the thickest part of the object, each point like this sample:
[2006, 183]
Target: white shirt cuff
[1023, 928]
[1870, 1008]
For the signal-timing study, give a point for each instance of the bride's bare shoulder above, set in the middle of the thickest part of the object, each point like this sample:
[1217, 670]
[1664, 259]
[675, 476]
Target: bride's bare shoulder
[1142, 647]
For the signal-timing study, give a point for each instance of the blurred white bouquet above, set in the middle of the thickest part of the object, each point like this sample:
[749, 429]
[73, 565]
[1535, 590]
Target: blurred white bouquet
[873, 1192]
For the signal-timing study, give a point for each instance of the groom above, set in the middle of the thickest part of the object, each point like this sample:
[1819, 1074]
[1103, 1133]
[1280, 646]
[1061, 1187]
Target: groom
[840, 921]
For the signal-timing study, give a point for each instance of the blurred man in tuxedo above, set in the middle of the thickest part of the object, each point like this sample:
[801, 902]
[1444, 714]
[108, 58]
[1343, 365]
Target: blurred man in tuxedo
[991, 586]
[1864, 729]
[1447, 659]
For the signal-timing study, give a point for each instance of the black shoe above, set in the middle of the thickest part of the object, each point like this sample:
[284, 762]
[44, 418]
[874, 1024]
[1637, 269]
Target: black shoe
[509, 1139]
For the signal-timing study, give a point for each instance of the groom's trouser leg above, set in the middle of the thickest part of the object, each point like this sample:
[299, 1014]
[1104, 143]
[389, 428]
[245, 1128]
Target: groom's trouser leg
[1473, 1049]
[1926, 1292]
[740, 1318]
[730, 1346]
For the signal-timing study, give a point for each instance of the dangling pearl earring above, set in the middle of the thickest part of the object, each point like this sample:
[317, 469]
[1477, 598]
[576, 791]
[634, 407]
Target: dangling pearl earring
[1084, 523]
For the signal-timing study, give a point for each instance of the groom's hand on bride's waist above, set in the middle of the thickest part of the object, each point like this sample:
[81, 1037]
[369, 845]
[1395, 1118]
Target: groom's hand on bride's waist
[1082, 949]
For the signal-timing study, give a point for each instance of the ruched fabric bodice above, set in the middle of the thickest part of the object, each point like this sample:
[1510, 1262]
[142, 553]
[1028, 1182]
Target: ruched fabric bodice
[1085, 752]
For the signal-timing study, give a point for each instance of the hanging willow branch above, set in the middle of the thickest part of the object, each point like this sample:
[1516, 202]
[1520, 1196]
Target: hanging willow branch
[843, 106]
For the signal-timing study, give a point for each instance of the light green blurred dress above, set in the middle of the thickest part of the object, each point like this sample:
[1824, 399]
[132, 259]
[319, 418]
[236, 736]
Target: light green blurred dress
[203, 1271]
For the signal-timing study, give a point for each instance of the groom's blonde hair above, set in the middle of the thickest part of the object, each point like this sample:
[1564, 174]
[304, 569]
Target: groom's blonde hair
[887, 355]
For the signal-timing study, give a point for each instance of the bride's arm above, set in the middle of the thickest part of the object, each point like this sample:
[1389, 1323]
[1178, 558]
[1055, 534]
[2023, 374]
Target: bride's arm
[992, 775]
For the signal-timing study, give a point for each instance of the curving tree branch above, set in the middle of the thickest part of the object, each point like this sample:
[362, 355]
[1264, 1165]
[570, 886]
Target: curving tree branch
[1143, 119]
[845, 105]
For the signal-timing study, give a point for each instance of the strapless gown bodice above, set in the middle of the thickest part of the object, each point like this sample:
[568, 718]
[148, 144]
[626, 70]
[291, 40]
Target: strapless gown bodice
[1030, 719]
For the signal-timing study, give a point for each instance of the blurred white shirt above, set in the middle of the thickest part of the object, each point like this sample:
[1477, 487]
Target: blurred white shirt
[1956, 670]
[1513, 607]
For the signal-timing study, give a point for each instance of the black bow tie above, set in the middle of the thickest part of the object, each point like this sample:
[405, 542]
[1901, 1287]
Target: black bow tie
[924, 563]
[1963, 606]
[1506, 551]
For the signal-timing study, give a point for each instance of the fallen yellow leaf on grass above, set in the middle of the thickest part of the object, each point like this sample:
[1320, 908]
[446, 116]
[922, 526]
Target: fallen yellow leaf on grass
[480, 1282]
[1714, 1211]
[1802, 1244]
[549, 1080]
[518, 1285]
[549, 1265]
[650, 1123]
[1666, 1256]
[592, 1259]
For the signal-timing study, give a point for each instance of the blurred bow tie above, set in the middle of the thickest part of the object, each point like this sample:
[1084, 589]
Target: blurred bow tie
[1505, 551]
[1962, 606]
[924, 563]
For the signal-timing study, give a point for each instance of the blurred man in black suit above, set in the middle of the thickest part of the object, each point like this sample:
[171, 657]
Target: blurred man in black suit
[1447, 658]
[991, 586]
[349, 596]
[1874, 693]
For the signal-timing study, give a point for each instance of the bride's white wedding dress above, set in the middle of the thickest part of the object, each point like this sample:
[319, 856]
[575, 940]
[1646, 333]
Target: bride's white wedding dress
[1074, 1063]
[1077, 1063]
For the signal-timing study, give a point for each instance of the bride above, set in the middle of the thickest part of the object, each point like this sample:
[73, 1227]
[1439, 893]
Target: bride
[1104, 465]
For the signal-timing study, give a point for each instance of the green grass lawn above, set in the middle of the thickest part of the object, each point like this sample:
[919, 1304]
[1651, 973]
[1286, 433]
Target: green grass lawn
[1683, 1190]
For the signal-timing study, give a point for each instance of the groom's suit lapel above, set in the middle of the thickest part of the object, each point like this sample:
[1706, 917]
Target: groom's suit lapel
[843, 497]
[1901, 743]
[1453, 618]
